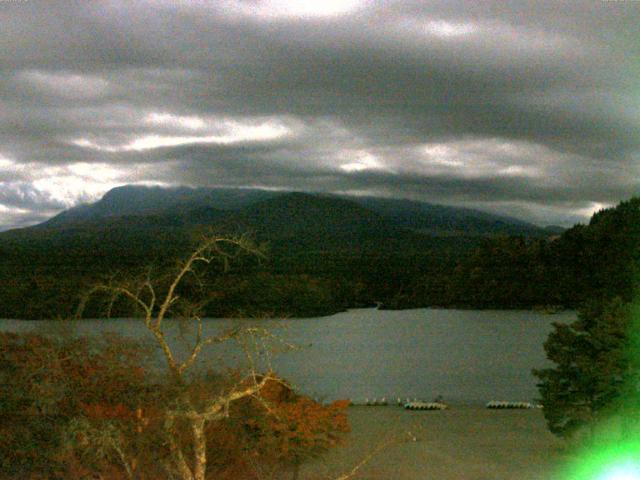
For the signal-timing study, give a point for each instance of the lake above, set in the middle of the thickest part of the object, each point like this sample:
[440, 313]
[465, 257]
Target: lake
[466, 356]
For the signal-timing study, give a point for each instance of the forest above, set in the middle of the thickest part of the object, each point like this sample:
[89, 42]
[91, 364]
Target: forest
[326, 255]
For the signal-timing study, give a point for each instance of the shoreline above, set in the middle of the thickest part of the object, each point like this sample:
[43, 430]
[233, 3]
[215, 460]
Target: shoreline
[462, 443]
[464, 308]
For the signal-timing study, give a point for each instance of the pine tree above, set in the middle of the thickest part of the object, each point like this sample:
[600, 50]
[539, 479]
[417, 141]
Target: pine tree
[596, 370]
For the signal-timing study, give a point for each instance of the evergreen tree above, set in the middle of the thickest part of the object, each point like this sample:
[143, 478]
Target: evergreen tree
[596, 369]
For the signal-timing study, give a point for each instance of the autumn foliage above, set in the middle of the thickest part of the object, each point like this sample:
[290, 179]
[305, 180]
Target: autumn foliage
[73, 408]
[276, 431]
[48, 384]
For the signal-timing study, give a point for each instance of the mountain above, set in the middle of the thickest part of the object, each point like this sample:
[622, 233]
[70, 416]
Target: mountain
[137, 224]
[445, 220]
[127, 223]
[182, 202]
[325, 252]
[314, 222]
[131, 200]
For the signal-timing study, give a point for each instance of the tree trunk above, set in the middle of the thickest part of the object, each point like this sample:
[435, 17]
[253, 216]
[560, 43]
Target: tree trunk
[199, 449]
[178, 463]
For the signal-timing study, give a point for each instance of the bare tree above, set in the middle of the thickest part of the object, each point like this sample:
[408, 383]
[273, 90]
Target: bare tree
[157, 304]
[161, 298]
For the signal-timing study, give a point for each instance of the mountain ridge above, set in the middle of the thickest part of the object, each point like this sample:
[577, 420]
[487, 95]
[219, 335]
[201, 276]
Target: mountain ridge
[324, 254]
[422, 217]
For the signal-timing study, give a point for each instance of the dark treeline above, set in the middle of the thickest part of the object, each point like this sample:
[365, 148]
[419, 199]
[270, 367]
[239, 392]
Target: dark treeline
[597, 261]
[596, 373]
[314, 266]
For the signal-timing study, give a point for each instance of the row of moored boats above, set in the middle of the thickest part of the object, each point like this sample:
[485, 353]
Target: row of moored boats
[440, 405]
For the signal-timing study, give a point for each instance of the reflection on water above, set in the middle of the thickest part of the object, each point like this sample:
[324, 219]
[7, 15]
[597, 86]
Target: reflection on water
[466, 356]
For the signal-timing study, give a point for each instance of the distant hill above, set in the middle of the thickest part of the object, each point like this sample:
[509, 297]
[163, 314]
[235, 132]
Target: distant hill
[147, 223]
[131, 200]
[138, 223]
[182, 202]
[445, 220]
[308, 223]
[325, 252]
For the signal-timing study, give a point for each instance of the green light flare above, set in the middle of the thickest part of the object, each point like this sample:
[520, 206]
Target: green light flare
[614, 453]
[630, 471]
[617, 461]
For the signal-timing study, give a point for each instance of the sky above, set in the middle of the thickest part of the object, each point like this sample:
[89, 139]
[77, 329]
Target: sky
[526, 108]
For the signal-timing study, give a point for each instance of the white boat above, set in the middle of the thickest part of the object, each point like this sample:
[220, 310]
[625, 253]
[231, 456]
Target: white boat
[500, 404]
[418, 405]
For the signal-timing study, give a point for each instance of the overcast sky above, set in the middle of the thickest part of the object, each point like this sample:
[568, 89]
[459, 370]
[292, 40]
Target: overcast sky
[525, 108]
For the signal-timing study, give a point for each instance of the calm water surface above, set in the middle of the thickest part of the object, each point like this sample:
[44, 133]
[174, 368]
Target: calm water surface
[464, 355]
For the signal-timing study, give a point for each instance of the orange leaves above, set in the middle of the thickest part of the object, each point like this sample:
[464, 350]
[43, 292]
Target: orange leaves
[276, 429]
[340, 404]
[108, 412]
[52, 386]
[308, 425]
[94, 402]
[276, 391]
[293, 427]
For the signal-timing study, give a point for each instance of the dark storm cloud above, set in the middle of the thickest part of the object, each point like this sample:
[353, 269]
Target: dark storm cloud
[513, 106]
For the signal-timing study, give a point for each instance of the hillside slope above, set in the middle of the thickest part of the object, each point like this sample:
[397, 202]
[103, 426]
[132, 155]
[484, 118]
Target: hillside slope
[324, 253]
[420, 216]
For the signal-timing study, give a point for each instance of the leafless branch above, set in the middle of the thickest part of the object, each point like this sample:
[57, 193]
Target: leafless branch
[407, 436]
[156, 308]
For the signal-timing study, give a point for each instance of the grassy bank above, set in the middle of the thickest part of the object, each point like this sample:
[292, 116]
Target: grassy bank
[462, 443]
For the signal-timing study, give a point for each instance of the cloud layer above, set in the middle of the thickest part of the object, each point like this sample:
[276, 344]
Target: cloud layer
[526, 108]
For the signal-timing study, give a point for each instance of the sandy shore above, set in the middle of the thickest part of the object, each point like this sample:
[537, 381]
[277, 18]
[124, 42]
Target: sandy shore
[462, 443]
